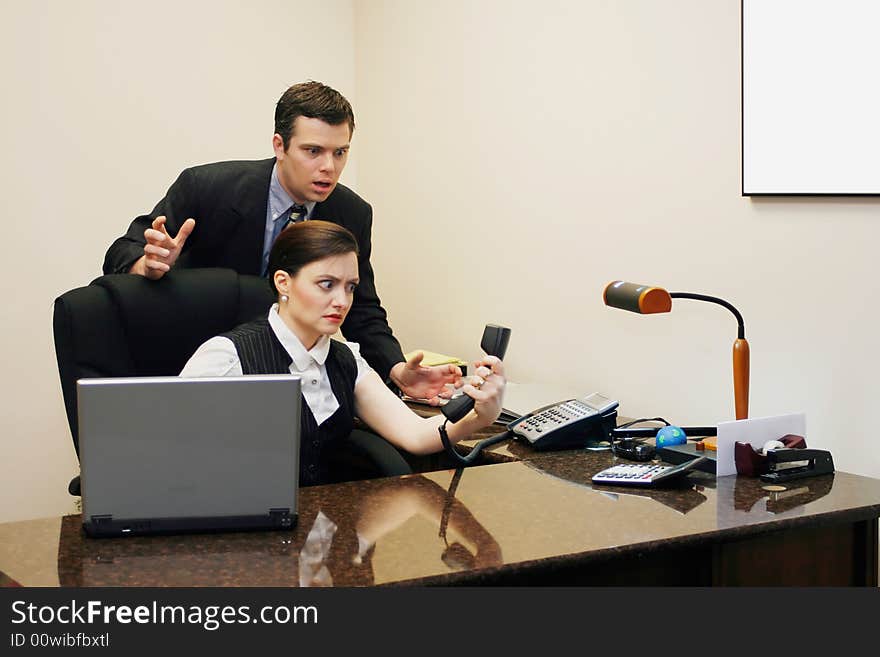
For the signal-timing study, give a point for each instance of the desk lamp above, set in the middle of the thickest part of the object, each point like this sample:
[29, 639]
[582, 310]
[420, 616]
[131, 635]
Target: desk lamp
[644, 299]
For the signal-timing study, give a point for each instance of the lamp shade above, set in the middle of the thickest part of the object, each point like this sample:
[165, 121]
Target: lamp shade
[637, 298]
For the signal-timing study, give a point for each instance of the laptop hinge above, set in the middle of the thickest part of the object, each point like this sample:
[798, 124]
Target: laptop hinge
[100, 521]
[281, 517]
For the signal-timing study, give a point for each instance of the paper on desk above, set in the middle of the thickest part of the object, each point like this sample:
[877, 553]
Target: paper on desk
[433, 358]
[755, 432]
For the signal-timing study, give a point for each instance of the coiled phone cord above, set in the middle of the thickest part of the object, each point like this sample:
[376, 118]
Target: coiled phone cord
[471, 458]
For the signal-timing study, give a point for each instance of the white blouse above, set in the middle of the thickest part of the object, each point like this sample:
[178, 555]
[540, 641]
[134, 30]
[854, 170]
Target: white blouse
[218, 357]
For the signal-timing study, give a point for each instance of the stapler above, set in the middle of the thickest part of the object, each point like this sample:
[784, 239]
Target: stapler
[785, 464]
[752, 462]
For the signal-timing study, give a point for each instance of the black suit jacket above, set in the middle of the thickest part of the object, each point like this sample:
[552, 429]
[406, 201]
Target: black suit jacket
[228, 201]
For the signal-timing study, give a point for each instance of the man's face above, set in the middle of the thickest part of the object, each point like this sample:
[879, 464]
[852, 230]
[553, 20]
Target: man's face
[315, 157]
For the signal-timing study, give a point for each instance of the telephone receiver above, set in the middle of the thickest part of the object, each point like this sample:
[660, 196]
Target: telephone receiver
[494, 343]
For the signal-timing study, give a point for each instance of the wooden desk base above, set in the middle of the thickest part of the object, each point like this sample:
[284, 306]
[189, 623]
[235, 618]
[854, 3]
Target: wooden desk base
[836, 555]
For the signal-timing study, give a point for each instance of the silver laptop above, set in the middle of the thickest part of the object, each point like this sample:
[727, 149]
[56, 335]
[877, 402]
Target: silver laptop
[169, 454]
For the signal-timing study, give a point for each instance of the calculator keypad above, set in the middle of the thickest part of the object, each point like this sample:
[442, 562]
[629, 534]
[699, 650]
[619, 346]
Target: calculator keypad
[630, 473]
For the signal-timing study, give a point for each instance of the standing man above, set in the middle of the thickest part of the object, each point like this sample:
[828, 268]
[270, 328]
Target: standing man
[227, 214]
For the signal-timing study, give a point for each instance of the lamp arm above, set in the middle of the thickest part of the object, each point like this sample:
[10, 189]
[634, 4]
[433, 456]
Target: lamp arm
[741, 327]
[740, 353]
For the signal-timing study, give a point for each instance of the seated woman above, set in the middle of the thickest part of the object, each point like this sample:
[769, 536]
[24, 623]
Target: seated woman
[314, 272]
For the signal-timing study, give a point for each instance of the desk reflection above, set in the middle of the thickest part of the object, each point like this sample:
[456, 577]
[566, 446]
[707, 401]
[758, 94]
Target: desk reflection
[749, 500]
[333, 543]
[552, 526]
[682, 496]
[747, 495]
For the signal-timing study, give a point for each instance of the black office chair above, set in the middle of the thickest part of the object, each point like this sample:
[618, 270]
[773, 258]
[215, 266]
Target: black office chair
[123, 325]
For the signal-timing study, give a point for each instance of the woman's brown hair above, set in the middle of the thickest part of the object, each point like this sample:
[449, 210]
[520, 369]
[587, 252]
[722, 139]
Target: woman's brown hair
[305, 242]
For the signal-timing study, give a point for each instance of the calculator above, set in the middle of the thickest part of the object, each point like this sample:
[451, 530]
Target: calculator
[644, 474]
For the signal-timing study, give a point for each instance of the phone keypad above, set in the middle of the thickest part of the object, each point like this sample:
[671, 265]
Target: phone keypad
[532, 428]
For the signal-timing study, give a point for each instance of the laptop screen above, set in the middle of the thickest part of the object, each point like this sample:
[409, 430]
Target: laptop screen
[166, 454]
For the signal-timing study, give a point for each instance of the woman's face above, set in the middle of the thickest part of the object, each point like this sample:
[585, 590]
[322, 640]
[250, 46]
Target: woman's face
[319, 296]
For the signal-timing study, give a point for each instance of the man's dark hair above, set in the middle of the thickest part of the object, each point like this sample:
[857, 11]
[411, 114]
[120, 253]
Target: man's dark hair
[314, 101]
[306, 242]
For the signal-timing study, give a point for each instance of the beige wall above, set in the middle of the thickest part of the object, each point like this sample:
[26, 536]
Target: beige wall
[521, 155]
[104, 104]
[518, 156]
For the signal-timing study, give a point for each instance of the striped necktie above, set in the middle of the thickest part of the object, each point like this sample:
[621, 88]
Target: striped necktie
[297, 213]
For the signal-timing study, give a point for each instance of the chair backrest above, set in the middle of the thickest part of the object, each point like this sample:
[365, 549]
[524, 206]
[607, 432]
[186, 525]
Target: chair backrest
[125, 325]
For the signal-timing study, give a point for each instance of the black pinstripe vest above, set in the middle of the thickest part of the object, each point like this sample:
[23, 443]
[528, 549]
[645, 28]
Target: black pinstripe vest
[260, 352]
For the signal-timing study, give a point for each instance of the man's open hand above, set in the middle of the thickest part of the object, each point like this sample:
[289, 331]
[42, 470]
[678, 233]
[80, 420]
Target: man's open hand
[161, 250]
[421, 382]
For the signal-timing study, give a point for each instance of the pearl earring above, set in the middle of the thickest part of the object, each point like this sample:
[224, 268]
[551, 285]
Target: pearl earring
[284, 298]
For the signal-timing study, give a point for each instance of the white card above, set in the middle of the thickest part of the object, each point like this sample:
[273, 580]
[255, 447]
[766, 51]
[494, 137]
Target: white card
[756, 432]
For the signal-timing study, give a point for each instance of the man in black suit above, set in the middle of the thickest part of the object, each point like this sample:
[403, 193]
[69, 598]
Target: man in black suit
[227, 214]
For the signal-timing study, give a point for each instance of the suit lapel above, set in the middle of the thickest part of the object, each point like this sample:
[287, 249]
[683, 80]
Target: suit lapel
[328, 210]
[250, 202]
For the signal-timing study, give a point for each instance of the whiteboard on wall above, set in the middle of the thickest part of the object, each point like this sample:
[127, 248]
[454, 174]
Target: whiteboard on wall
[810, 97]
